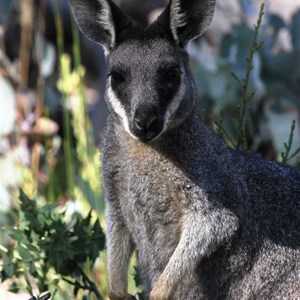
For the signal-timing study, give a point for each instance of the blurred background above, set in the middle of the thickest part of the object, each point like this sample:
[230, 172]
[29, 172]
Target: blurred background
[52, 114]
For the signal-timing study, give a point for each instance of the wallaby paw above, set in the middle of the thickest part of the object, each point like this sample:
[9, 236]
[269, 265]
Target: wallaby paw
[159, 293]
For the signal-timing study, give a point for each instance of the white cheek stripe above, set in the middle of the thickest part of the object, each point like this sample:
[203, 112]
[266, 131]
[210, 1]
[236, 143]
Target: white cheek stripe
[118, 108]
[171, 110]
[173, 106]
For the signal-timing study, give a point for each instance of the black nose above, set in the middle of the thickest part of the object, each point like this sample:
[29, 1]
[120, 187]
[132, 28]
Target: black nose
[146, 126]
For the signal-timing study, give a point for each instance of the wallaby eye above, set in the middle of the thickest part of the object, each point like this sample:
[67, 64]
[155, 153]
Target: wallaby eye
[172, 74]
[116, 78]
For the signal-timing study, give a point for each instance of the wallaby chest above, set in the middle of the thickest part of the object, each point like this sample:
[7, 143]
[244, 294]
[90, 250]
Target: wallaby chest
[152, 202]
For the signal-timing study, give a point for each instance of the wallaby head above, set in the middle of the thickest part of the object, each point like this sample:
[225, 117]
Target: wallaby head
[149, 86]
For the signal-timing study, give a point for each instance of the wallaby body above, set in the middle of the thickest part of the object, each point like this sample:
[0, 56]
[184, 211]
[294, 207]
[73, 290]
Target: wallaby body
[247, 210]
[207, 222]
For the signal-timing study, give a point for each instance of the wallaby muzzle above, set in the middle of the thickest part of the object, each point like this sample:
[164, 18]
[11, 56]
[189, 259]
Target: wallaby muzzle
[146, 124]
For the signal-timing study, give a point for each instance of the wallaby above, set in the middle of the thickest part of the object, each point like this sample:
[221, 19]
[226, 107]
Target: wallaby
[206, 221]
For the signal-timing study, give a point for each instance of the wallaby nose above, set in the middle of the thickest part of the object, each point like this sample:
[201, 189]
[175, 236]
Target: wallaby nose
[146, 126]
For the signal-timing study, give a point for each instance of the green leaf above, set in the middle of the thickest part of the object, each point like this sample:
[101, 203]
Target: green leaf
[226, 45]
[24, 199]
[276, 22]
[48, 211]
[295, 30]
[96, 241]
[14, 288]
[24, 224]
[86, 222]
[16, 234]
[32, 269]
[5, 9]
[24, 253]
[283, 65]
[56, 260]
[98, 235]
[8, 267]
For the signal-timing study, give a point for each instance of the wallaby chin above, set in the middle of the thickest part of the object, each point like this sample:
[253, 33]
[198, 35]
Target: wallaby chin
[207, 222]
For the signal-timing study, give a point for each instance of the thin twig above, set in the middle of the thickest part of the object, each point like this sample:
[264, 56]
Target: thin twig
[92, 285]
[247, 97]
[26, 38]
[87, 283]
[76, 283]
[220, 127]
[285, 156]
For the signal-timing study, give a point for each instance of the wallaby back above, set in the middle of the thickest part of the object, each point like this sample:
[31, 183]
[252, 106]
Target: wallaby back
[207, 222]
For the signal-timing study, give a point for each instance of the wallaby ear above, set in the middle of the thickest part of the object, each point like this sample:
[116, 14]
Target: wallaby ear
[101, 21]
[187, 19]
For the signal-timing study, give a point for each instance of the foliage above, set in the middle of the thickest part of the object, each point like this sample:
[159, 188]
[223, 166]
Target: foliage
[46, 242]
[247, 95]
[47, 249]
[274, 77]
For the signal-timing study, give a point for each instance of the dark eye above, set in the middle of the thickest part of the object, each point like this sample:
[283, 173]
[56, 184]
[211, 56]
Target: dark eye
[116, 78]
[172, 74]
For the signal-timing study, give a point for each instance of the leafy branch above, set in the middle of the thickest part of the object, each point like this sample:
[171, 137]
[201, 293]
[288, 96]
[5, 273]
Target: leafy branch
[244, 83]
[45, 244]
[86, 284]
[247, 96]
[223, 133]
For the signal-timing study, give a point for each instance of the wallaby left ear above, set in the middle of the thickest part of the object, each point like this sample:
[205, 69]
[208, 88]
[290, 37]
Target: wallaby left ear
[187, 19]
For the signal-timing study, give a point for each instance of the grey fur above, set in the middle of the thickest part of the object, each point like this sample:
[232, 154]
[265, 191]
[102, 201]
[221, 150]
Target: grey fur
[207, 222]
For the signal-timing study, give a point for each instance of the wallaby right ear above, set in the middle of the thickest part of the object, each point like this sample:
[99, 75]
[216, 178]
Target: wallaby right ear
[187, 19]
[101, 21]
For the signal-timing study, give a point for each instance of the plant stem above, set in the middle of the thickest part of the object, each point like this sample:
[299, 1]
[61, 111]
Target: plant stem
[247, 96]
[67, 143]
[77, 64]
[225, 133]
[91, 284]
[288, 146]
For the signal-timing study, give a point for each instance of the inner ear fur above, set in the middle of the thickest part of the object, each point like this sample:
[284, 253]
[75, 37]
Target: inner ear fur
[187, 19]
